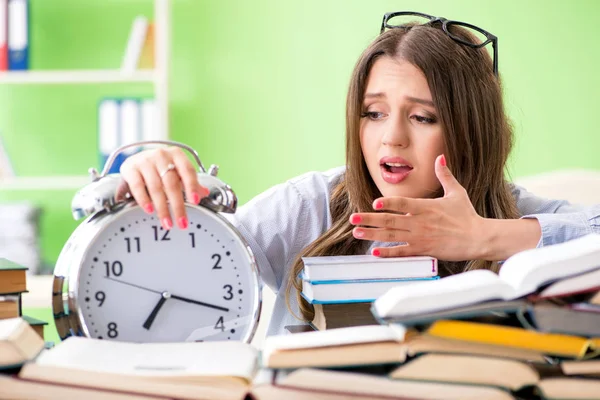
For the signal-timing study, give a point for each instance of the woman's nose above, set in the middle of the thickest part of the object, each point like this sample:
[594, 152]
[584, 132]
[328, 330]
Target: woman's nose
[396, 134]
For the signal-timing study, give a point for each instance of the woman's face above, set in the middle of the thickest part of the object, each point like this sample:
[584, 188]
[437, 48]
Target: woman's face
[400, 133]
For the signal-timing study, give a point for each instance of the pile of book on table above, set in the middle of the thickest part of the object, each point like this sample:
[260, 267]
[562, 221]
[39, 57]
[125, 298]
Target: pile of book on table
[342, 288]
[531, 332]
[13, 284]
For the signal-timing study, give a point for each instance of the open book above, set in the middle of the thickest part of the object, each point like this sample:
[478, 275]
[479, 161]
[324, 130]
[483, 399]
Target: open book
[372, 345]
[18, 342]
[513, 376]
[308, 384]
[523, 274]
[189, 370]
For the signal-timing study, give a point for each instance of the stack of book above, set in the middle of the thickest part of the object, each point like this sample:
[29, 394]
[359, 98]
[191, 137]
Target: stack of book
[364, 362]
[13, 283]
[341, 288]
[476, 335]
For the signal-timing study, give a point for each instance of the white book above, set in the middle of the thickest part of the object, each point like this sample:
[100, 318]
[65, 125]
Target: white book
[130, 129]
[108, 126]
[522, 274]
[354, 291]
[325, 268]
[355, 335]
[186, 370]
[233, 359]
[137, 35]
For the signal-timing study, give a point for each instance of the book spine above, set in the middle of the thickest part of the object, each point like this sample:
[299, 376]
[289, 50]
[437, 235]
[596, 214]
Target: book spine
[3, 35]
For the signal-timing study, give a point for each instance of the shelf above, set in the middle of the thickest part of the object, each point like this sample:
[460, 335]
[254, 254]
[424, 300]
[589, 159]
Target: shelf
[44, 183]
[75, 76]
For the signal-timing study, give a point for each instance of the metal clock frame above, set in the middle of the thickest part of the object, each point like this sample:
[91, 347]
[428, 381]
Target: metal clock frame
[97, 202]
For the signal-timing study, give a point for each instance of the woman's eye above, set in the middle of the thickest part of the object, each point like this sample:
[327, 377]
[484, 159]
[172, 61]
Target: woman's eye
[373, 115]
[423, 120]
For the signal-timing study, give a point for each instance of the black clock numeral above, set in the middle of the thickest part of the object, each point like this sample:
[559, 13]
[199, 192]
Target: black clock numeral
[157, 237]
[112, 330]
[100, 296]
[137, 244]
[220, 324]
[193, 236]
[218, 258]
[116, 268]
[229, 290]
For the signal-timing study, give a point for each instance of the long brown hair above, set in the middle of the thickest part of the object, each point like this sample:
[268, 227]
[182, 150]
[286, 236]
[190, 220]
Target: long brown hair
[477, 134]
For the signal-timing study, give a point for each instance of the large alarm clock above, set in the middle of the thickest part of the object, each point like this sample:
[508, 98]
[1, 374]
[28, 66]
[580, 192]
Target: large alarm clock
[121, 276]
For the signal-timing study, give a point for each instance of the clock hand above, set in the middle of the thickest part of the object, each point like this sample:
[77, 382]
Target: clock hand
[174, 296]
[157, 307]
[134, 285]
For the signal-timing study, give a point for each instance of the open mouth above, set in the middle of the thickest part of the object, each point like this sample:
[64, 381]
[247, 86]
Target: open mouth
[395, 172]
[396, 167]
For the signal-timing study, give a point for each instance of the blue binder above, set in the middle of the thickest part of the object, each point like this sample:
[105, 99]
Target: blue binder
[18, 34]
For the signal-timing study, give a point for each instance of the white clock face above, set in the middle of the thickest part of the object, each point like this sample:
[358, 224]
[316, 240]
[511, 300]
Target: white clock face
[140, 283]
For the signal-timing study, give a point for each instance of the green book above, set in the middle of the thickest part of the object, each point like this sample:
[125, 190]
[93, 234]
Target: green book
[12, 277]
[36, 324]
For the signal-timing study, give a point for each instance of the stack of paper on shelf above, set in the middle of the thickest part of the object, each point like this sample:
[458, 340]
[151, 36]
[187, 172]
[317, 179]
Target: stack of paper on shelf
[341, 288]
[19, 236]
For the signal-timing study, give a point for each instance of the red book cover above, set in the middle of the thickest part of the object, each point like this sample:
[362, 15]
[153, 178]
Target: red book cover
[3, 35]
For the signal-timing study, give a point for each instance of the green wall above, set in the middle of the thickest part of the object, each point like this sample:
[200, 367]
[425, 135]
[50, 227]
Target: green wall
[258, 87]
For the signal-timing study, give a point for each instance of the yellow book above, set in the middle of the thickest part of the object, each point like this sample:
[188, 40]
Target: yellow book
[146, 60]
[546, 343]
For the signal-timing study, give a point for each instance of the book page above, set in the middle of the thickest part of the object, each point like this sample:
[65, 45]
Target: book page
[578, 283]
[233, 359]
[333, 337]
[528, 270]
[8, 327]
[364, 384]
[488, 371]
[454, 291]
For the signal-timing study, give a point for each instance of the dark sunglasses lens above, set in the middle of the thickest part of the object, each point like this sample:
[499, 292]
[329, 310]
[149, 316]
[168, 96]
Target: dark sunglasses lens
[406, 19]
[472, 36]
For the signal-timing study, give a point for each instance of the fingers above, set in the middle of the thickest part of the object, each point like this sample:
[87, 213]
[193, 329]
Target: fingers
[135, 185]
[157, 192]
[382, 220]
[445, 176]
[381, 234]
[401, 204]
[194, 192]
[157, 179]
[395, 251]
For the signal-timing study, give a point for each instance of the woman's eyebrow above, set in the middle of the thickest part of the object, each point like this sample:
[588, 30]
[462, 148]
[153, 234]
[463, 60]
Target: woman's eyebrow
[378, 95]
[420, 101]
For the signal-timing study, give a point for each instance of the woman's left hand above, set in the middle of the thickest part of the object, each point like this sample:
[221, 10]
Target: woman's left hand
[447, 228]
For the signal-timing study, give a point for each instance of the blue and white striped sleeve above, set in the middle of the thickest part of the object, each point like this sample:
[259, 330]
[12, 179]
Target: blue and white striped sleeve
[560, 220]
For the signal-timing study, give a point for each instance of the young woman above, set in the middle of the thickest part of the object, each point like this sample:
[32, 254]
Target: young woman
[427, 140]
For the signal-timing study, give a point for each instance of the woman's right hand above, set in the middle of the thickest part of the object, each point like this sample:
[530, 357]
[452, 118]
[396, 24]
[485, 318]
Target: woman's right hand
[155, 177]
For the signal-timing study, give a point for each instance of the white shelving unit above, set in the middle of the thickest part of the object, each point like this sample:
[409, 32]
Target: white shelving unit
[74, 77]
[159, 77]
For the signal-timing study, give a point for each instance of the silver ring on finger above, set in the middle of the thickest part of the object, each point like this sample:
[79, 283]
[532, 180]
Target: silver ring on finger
[170, 167]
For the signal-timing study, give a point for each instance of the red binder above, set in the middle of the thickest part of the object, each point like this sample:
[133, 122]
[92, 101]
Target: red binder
[3, 35]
